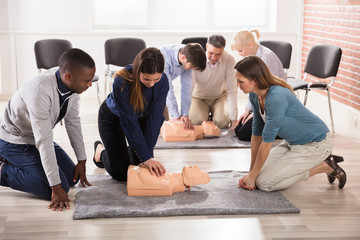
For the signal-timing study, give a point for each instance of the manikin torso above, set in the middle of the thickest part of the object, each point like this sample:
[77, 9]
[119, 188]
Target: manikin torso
[141, 183]
[173, 131]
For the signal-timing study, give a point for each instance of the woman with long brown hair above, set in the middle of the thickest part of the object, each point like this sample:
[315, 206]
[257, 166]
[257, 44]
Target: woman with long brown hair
[131, 116]
[307, 146]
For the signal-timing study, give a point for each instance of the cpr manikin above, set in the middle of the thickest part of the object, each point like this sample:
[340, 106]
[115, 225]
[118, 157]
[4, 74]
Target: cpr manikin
[140, 182]
[174, 131]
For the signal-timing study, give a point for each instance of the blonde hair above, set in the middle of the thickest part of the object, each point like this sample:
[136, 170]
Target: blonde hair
[254, 69]
[244, 37]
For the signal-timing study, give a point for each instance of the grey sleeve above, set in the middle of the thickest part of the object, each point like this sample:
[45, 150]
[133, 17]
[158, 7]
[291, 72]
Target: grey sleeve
[73, 128]
[39, 107]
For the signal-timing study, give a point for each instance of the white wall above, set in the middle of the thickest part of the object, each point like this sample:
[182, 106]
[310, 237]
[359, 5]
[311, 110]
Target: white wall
[31, 20]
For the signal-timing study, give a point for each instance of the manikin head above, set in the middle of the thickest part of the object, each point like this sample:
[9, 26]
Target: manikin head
[193, 175]
[210, 129]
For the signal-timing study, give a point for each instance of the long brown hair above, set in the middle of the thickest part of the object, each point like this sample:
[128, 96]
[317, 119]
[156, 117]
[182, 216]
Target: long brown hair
[148, 61]
[254, 69]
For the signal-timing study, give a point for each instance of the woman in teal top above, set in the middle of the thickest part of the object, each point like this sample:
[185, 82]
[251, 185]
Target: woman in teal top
[307, 146]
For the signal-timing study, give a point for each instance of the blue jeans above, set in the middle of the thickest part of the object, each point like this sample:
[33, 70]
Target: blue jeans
[25, 171]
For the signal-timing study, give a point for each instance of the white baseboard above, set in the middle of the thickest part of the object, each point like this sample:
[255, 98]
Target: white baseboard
[5, 97]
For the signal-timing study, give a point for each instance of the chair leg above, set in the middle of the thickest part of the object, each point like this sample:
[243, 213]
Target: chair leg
[98, 91]
[306, 96]
[330, 111]
[111, 84]
[106, 85]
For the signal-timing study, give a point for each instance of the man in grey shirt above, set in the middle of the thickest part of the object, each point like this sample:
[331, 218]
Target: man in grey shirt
[30, 160]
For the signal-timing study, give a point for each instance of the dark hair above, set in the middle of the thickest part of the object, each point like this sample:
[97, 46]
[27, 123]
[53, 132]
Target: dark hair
[148, 61]
[254, 69]
[74, 59]
[195, 55]
[217, 41]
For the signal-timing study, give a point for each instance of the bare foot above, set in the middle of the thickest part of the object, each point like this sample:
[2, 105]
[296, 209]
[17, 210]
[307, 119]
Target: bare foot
[98, 151]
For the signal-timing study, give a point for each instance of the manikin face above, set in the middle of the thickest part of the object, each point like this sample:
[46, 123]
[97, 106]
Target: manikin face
[244, 84]
[79, 81]
[193, 175]
[213, 53]
[149, 80]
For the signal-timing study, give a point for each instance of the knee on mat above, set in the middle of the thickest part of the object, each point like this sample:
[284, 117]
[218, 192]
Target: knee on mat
[197, 120]
[263, 185]
[222, 124]
[243, 135]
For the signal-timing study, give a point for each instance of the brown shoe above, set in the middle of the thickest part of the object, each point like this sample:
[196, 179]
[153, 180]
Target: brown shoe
[338, 171]
[337, 159]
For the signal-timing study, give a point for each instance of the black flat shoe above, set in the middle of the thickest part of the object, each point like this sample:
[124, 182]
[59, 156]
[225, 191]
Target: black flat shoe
[337, 159]
[338, 171]
[98, 164]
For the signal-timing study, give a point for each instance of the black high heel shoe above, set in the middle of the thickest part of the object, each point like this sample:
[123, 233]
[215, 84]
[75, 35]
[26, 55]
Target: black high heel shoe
[333, 161]
[98, 164]
[337, 159]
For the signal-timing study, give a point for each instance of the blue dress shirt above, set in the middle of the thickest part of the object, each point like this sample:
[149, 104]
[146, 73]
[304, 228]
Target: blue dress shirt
[174, 69]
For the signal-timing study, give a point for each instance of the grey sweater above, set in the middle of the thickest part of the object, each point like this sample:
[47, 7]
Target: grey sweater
[31, 115]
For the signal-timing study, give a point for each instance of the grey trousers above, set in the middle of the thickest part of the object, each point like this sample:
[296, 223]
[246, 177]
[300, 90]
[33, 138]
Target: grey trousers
[288, 164]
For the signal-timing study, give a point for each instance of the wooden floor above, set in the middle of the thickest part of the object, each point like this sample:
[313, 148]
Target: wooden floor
[326, 211]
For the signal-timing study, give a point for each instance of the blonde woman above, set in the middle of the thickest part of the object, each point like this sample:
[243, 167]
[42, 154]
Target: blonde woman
[246, 44]
[307, 146]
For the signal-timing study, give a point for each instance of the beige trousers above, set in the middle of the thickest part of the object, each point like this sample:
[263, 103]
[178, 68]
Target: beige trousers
[288, 164]
[200, 109]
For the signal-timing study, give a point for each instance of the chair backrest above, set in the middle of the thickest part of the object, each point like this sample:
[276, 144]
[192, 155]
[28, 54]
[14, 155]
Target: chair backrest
[323, 61]
[281, 49]
[48, 52]
[200, 40]
[122, 51]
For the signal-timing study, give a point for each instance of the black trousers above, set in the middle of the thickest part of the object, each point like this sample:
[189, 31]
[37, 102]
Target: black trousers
[117, 156]
[244, 131]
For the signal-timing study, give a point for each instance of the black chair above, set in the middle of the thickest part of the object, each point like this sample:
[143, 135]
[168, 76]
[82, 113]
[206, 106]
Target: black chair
[120, 52]
[200, 40]
[282, 49]
[48, 52]
[322, 62]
